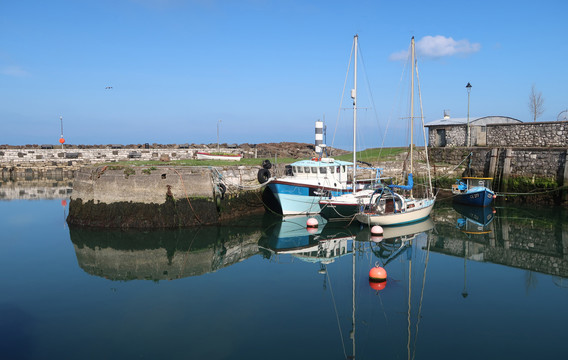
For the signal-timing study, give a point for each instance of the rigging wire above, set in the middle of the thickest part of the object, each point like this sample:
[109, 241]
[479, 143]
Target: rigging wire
[336, 312]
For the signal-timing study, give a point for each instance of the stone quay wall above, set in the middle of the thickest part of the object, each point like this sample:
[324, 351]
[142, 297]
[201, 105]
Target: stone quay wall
[162, 196]
[535, 134]
[494, 162]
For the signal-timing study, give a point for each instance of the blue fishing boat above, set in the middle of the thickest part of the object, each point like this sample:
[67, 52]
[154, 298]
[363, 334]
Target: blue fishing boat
[474, 191]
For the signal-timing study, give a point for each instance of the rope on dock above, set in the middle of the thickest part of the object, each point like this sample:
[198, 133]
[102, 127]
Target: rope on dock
[187, 196]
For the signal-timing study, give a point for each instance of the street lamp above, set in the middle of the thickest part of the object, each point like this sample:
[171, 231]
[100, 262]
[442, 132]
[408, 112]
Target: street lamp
[61, 139]
[218, 150]
[468, 87]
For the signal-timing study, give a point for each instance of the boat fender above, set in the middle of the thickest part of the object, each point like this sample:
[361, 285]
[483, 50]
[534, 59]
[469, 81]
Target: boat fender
[222, 189]
[266, 164]
[263, 175]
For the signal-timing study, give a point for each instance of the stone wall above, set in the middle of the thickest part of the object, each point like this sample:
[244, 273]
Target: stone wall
[91, 156]
[540, 162]
[535, 134]
[162, 196]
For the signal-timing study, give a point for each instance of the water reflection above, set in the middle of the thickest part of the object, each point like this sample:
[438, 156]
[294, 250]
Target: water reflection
[35, 190]
[515, 237]
[161, 254]
[507, 236]
[291, 236]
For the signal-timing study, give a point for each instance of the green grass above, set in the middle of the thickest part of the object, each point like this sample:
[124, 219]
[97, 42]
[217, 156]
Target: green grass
[374, 155]
[369, 155]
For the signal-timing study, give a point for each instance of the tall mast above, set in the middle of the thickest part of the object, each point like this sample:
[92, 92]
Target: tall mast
[412, 110]
[354, 97]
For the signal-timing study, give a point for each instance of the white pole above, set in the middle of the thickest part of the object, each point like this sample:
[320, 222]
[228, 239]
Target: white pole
[218, 149]
[61, 119]
[412, 113]
[354, 96]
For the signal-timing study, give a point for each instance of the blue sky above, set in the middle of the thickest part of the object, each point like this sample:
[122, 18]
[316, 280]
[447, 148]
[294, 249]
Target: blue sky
[267, 69]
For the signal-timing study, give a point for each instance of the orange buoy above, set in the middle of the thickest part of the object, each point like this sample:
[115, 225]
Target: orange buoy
[377, 285]
[61, 140]
[377, 230]
[64, 203]
[312, 223]
[377, 273]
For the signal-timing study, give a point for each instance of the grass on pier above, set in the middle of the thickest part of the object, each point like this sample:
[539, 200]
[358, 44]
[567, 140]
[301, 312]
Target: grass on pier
[369, 155]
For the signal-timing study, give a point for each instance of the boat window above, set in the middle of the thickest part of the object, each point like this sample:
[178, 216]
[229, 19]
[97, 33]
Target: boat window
[332, 169]
[300, 169]
[343, 168]
[307, 169]
[314, 170]
[323, 170]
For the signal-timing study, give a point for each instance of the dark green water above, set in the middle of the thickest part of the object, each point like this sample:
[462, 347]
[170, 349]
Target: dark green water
[264, 289]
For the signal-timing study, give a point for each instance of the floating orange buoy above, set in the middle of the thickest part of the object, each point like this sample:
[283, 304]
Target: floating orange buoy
[377, 230]
[312, 223]
[61, 140]
[64, 203]
[377, 285]
[377, 274]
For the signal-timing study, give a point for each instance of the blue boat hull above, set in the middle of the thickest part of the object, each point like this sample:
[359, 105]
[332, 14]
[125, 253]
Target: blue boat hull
[296, 199]
[482, 197]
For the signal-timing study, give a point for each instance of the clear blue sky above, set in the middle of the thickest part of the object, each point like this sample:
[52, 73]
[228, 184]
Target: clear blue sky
[267, 69]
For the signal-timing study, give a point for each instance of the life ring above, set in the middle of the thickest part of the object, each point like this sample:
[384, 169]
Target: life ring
[266, 164]
[263, 175]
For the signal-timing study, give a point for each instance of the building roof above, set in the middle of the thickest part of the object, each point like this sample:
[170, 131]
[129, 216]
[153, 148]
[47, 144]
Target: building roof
[478, 121]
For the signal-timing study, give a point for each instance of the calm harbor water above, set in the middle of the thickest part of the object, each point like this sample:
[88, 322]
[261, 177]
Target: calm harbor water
[467, 284]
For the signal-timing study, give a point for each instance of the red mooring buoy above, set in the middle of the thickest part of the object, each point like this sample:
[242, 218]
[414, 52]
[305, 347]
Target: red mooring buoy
[312, 223]
[61, 140]
[377, 230]
[377, 273]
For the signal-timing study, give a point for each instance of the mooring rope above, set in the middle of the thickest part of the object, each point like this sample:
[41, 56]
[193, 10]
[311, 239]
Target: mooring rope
[187, 196]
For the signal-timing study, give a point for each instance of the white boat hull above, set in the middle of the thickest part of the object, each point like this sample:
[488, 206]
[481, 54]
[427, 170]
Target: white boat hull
[207, 156]
[399, 218]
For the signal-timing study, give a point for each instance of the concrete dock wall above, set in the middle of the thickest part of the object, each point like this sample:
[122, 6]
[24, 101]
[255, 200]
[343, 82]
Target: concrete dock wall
[162, 196]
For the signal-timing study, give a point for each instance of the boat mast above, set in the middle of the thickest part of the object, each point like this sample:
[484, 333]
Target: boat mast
[412, 109]
[354, 97]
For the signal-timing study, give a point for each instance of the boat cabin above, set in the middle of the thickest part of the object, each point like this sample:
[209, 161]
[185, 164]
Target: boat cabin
[470, 183]
[325, 168]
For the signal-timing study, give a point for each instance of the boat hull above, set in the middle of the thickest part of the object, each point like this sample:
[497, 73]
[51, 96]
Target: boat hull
[399, 218]
[476, 197]
[208, 156]
[299, 199]
[338, 211]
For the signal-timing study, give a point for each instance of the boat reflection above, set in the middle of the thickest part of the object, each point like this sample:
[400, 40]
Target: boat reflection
[323, 244]
[475, 220]
[395, 240]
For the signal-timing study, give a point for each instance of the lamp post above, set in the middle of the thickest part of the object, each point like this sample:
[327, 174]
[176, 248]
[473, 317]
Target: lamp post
[468, 87]
[61, 139]
[218, 150]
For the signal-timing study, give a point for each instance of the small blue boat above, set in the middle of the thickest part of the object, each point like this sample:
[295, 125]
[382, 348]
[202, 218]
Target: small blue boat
[474, 191]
